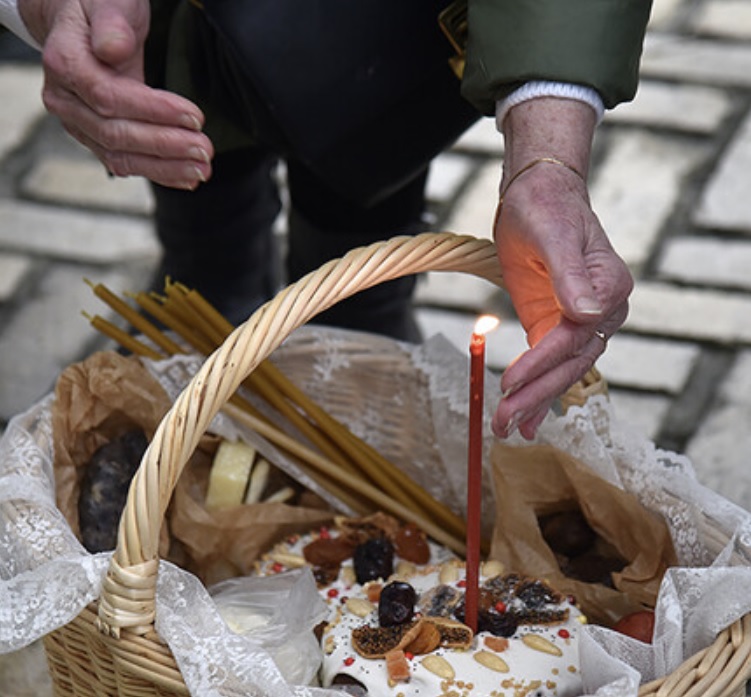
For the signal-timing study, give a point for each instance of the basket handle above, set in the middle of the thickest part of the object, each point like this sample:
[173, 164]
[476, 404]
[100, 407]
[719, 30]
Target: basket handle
[129, 589]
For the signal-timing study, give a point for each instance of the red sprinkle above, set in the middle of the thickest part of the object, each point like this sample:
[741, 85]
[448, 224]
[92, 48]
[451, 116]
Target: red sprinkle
[325, 534]
[461, 584]
[276, 567]
[349, 661]
[332, 592]
[564, 633]
[409, 656]
[500, 606]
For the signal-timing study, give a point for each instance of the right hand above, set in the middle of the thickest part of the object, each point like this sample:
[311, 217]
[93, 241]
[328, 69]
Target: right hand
[94, 83]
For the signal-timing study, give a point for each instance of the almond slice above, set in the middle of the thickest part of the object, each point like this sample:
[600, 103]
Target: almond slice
[491, 661]
[538, 643]
[439, 666]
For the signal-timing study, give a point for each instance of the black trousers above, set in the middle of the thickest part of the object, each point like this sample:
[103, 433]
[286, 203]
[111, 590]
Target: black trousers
[220, 238]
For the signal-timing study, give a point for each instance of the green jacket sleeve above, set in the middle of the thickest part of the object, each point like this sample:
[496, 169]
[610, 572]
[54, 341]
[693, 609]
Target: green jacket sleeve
[597, 43]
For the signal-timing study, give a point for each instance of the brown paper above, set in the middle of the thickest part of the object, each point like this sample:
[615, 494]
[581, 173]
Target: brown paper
[226, 543]
[96, 401]
[107, 395]
[539, 480]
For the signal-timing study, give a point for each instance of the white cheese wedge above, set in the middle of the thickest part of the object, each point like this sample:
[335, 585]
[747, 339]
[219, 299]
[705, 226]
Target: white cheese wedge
[229, 475]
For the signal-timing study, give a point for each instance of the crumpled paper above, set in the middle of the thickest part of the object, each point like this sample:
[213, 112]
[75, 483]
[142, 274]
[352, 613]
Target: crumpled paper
[531, 482]
[109, 394]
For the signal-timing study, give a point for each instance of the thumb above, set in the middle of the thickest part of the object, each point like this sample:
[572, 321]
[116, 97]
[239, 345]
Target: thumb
[117, 34]
[574, 290]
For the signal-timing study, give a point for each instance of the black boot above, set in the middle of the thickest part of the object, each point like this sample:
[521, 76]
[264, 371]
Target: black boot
[219, 238]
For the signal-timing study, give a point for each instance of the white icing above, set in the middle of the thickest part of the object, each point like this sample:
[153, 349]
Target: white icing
[532, 672]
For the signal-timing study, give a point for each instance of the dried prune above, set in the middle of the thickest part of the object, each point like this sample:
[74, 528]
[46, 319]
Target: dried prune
[503, 624]
[396, 604]
[373, 559]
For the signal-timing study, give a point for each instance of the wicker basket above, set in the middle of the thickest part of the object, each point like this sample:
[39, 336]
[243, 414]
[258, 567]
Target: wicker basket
[111, 649]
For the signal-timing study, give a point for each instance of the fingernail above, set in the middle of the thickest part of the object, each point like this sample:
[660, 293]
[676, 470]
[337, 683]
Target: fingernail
[191, 122]
[196, 153]
[588, 306]
[509, 391]
[513, 424]
[192, 173]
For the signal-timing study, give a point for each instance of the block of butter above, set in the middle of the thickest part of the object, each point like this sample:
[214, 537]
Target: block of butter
[229, 475]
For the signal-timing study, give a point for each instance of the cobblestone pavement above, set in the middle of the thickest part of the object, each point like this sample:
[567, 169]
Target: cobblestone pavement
[671, 182]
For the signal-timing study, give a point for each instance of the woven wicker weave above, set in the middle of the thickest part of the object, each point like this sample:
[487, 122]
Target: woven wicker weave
[112, 650]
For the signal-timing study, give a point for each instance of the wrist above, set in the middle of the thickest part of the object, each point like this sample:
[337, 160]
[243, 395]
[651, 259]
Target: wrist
[39, 17]
[549, 127]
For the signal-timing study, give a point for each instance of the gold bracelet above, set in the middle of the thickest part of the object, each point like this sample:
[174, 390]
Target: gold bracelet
[529, 165]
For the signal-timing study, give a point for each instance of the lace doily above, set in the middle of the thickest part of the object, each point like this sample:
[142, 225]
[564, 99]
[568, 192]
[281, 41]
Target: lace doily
[47, 578]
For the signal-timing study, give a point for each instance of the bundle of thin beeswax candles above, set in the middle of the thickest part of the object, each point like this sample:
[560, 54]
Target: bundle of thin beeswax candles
[341, 462]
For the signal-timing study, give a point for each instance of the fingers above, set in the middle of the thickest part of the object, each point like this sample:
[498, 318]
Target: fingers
[543, 373]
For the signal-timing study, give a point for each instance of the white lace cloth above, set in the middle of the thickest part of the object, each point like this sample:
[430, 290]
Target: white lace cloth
[47, 578]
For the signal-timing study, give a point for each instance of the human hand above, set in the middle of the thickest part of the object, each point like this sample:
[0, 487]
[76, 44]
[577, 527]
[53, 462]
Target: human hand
[569, 287]
[93, 68]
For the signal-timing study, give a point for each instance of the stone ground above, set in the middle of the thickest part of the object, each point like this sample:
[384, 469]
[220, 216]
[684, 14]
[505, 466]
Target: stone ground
[670, 182]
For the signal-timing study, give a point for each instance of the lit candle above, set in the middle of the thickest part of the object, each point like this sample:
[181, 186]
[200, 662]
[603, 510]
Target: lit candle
[484, 324]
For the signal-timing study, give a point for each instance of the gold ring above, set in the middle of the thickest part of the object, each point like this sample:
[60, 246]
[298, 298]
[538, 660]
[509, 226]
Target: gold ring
[602, 337]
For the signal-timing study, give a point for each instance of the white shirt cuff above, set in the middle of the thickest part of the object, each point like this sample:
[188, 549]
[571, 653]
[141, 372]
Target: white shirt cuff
[11, 18]
[540, 88]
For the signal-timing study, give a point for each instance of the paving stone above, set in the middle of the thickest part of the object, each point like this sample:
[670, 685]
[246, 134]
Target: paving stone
[482, 138]
[726, 18]
[665, 13]
[725, 202]
[636, 188]
[718, 63]
[639, 412]
[707, 261]
[84, 182]
[701, 315]
[647, 363]
[13, 268]
[448, 173]
[689, 108]
[720, 449]
[502, 347]
[456, 290]
[21, 87]
[474, 211]
[77, 235]
[49, 333]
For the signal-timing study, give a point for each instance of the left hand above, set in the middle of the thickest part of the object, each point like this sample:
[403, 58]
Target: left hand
[564, 278]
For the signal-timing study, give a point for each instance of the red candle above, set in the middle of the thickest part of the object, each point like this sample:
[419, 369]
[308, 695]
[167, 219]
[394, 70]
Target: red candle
[484, 324]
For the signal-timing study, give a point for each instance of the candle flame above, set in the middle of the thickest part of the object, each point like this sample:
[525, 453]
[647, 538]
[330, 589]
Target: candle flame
[485, 324]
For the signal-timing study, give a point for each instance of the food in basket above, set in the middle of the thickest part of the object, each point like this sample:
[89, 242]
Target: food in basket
[395, 623]
[580, 552]
[239, 475]
[104, 488]
[638, 625]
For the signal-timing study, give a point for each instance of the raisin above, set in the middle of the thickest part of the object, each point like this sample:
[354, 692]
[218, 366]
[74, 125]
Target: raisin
[396, 604]
[373, 559]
